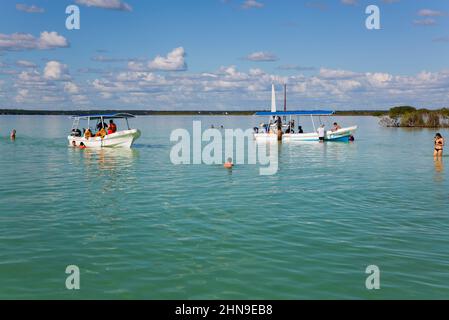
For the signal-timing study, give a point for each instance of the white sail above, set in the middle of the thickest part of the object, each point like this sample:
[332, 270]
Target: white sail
[273, 99]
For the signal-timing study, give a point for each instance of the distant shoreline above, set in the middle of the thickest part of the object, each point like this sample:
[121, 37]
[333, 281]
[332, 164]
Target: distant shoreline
[19, 112]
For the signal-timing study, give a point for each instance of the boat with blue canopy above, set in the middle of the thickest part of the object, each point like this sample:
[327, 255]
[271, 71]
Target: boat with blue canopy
[276, 129]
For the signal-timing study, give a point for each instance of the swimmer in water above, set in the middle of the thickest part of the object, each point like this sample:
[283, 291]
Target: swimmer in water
[439, 143]
[228, 164]
[13, 134]
[82, 145]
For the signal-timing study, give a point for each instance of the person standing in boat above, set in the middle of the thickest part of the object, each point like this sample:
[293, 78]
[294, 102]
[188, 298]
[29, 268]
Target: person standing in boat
[321, 133]
[279, 128]
[439, 143]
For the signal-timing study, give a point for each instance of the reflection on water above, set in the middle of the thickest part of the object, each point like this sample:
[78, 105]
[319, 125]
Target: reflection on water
[439, 169]
[109, 178]
[110, 159]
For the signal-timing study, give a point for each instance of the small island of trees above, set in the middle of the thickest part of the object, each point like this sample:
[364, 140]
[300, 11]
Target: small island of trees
[410, 117]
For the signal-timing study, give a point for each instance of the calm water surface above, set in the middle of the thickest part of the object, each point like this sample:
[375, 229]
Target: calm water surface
[140, 227]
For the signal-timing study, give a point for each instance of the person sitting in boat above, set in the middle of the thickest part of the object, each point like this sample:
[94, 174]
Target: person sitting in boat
[265, 127]
[300, 130]
[112, 127]
[76, 133]
[87, 134]
[102, 133]
[101, 125]
[336, 127]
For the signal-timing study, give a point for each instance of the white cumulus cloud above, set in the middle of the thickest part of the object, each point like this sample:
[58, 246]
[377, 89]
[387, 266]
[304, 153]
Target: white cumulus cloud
[106, 4]
[55, 70]
[430, 13]
[349, 2]
[29, 8]
[252, 4]
[24, 41]
[262, 57]
[71, 88]
[25, 64]
[174, 61]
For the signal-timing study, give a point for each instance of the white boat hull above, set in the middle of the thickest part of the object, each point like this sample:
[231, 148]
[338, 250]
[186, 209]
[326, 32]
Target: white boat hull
[121, 139]
[339, 135]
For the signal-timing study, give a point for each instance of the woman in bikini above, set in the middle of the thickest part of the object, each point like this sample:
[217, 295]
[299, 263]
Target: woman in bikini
[439, 143]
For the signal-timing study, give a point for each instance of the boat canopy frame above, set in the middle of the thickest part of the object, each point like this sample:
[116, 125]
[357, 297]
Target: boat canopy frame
[100, 118]
[297, 113]
[311, 113]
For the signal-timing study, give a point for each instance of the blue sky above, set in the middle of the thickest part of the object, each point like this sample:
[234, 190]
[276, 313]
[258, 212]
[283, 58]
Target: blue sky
[223, 54]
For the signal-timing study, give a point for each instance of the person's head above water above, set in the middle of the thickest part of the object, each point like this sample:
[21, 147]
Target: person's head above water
[228, 164]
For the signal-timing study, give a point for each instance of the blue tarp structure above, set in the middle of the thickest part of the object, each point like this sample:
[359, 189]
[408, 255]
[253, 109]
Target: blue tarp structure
[297, 113]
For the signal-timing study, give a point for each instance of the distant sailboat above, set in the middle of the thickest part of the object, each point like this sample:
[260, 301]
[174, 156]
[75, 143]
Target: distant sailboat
[273, 99]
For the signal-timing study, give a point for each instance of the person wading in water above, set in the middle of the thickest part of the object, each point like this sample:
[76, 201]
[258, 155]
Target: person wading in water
[13, 134]
[439, 143]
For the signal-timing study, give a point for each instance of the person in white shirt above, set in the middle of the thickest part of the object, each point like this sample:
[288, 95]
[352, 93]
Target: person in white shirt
[321, 133]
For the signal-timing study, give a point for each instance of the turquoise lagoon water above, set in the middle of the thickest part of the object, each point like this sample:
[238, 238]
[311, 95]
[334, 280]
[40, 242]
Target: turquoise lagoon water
[139, 227]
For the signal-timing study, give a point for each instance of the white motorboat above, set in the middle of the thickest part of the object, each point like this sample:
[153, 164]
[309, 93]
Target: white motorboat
[120, 138]
[269, 132]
